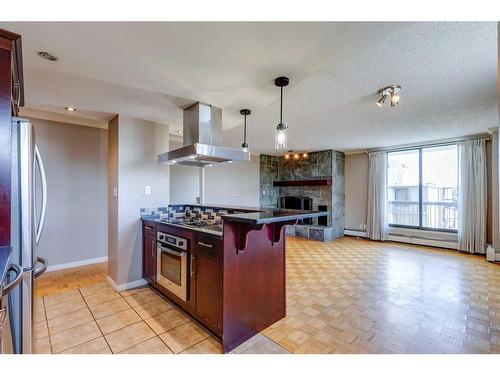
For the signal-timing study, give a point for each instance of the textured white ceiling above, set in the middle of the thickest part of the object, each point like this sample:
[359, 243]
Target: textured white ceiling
[448, 72]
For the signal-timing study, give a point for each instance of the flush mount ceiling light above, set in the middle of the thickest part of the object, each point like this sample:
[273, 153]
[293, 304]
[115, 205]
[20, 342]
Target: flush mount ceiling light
[48, 56]
[244, 145]
[389, 91]
[280, 136]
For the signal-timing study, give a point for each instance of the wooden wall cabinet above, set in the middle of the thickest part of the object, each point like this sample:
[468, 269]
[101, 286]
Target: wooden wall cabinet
[11, 98]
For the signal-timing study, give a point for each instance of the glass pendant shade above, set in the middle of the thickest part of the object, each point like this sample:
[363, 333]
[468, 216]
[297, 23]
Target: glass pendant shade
[280, 137]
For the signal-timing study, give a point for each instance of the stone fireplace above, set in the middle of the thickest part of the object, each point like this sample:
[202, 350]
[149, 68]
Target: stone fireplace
[315, 182]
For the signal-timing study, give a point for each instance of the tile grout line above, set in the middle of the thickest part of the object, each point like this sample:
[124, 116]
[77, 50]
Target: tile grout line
[47, 323]
[95, 321]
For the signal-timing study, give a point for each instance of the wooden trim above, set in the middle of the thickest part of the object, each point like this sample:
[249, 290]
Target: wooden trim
[320, 182]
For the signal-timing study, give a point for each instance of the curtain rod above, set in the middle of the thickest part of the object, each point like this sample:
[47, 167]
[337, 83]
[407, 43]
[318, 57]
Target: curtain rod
[441, 142]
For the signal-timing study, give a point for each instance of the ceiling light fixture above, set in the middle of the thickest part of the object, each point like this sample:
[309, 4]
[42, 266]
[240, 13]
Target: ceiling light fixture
[244, 145]
[48, 56]
[305, 155]
[287, 156]
[391, 91]
[71, 109]
[280, 140]
[179, 131]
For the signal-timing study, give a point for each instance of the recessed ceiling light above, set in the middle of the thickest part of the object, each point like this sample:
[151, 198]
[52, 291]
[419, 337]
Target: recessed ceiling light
[48, 56]
[71, 109]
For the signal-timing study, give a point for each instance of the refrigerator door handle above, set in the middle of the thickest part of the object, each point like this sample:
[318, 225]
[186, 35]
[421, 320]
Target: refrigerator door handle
[19, 273]
[39, 161]
[42, 270]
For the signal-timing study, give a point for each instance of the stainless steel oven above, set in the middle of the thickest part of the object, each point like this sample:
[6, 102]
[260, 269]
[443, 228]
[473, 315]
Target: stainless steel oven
[172, 263]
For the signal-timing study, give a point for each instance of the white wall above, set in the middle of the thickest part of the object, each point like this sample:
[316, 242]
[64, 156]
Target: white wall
[139, 143]
[184, 181]
[234, 184]
[222, 182]
[75, 160]
[356, 190]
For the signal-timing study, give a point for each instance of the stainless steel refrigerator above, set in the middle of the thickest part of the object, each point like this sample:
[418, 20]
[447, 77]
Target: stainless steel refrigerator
[29, 203]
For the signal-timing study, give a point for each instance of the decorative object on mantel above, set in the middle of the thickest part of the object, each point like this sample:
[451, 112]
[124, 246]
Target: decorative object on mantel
[280, 137]
[391, 91]
[244, 145]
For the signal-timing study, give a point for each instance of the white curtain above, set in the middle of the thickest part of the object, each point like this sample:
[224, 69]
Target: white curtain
[472, 196]
[377, 196]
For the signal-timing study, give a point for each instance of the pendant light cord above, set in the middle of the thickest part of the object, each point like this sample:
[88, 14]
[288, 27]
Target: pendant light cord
[245, 130]
[281, 106]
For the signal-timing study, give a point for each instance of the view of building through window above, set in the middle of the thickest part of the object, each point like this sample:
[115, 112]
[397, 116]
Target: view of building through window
[423, 188]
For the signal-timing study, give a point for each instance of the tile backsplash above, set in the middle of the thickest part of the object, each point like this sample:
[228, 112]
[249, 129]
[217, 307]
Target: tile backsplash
[186, 211]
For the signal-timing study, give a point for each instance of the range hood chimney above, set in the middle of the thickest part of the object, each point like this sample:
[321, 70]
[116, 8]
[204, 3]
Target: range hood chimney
[202, 140]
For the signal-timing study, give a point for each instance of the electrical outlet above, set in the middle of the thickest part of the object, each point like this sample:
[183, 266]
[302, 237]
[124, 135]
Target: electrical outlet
[115, 192]
[147, 190]
[263, 192]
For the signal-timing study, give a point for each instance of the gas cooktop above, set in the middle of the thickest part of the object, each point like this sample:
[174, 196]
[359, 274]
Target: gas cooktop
[209, 226]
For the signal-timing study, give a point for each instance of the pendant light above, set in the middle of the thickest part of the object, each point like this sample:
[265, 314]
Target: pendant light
[280, 140]
[244, 145]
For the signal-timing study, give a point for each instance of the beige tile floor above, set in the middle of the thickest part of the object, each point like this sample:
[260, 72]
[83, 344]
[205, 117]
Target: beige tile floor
[97, 320]
[345, 296]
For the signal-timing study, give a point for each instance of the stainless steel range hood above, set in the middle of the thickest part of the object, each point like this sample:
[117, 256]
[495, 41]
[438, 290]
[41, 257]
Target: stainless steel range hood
[202, 140]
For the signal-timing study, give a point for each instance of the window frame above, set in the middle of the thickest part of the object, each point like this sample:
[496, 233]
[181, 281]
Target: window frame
[420, 190]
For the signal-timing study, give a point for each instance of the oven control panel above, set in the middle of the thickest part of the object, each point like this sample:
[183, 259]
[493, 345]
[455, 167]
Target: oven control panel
[171, 240]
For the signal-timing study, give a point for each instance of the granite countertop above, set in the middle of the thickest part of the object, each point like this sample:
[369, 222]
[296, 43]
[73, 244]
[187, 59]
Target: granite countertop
[5, 252]
[272, 216]
[229, 208]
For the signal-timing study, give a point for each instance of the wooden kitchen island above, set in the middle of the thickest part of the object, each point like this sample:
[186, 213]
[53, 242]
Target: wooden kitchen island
[237, 281]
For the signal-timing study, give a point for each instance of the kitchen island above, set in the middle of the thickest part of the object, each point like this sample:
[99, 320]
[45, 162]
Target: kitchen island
[235, 279]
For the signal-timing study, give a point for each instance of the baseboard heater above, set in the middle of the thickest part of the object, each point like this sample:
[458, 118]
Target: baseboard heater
[407, 239]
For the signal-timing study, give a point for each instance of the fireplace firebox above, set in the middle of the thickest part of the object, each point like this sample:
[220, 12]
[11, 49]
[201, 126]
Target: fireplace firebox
[297, 203]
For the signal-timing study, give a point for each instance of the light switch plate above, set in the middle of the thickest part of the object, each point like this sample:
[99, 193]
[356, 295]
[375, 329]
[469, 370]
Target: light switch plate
[115, 192]
[147, 190]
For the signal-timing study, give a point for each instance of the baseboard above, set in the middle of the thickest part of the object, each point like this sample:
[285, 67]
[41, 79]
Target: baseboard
[129, 285]
[423, 241]
[355, 233]
[80, 263]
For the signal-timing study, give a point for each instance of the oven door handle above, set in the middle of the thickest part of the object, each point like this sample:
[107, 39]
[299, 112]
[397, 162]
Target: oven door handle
[167, 250]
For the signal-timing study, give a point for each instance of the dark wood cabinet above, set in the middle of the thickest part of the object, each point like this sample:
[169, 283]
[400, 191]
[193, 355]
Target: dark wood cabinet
[11, 98]
[205, 273]
[208, 270]
[207, 261]
[149, 253]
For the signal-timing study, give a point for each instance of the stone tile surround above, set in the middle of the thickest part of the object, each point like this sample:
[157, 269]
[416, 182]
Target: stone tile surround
[318, 165]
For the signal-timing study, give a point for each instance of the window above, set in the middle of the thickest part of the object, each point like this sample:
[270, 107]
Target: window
[423, 188]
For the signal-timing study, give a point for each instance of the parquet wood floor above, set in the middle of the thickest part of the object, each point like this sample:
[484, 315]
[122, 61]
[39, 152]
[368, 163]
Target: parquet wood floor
[360, 296]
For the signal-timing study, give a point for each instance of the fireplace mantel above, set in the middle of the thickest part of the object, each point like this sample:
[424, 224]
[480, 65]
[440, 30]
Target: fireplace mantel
[318, 182]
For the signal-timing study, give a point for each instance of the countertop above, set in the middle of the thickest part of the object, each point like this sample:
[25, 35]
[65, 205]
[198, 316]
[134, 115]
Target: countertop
[272, 216]
[5, 252]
